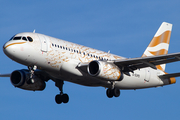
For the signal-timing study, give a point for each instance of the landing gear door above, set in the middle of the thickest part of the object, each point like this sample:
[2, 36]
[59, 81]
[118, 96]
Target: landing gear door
[44, 43]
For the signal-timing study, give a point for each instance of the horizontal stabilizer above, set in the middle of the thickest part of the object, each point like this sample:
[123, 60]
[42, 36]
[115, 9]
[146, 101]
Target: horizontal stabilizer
[169, 75]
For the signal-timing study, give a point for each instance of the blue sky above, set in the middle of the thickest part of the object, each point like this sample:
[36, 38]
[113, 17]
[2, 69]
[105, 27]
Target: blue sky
[123, 27]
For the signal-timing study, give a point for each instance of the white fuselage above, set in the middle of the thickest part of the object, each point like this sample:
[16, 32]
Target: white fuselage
[60, 59]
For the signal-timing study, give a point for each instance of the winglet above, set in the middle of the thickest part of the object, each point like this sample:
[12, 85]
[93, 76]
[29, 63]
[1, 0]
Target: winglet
[159, 45]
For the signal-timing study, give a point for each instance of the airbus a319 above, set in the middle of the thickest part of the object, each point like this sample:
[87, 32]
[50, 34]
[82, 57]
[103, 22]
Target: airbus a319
[49, 58]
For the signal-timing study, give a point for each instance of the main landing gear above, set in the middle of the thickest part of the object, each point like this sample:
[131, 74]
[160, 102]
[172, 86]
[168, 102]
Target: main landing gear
[61, 98]
[112, 91]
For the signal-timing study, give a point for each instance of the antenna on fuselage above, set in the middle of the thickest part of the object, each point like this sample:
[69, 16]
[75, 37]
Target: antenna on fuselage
[34, 31]
[109, 51]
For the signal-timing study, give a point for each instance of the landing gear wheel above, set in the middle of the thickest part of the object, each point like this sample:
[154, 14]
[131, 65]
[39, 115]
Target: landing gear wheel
[58, 99]
[116, 92]
[62, 98]
[112, 92]
[109, 93]
[65, 98]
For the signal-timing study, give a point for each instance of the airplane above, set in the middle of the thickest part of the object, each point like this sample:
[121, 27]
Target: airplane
[48, 58]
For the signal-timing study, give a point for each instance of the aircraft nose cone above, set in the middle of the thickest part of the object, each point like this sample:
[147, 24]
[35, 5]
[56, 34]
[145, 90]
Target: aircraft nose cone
[4, 46]
[8, 49]
[16, 51]
[5, 49]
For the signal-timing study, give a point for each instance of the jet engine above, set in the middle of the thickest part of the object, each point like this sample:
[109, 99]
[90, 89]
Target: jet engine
[105, 70]
[19, 79]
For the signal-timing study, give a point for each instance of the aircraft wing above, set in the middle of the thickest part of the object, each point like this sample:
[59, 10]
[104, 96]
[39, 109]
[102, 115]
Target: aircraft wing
[5, 75]
[141, 62]
[150, 61]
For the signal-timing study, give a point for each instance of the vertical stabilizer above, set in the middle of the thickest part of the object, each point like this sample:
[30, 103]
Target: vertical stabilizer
[159, 45]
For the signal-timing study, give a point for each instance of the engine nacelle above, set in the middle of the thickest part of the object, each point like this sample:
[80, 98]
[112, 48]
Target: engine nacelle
[105, 70]
[19, 79]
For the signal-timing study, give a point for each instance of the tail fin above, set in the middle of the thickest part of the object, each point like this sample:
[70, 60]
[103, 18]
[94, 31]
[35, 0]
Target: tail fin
[159, 45]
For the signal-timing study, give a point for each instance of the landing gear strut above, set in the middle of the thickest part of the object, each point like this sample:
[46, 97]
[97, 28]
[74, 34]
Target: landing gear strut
[31, 71]
[59, 98]
[112, 91]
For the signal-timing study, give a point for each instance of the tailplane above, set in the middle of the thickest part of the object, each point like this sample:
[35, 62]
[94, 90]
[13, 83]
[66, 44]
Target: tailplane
[159, 45]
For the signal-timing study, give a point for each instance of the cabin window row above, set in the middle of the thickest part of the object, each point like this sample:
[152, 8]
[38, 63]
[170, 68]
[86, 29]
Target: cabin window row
[76, 51]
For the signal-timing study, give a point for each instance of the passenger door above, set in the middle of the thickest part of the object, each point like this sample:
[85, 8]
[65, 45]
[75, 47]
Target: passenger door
[44, 43]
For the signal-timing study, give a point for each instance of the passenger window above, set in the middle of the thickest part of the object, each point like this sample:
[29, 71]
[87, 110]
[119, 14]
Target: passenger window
[17, 38]
[24, 38]
[30, 39]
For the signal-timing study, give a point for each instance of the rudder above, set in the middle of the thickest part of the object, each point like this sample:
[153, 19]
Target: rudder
[159, 45]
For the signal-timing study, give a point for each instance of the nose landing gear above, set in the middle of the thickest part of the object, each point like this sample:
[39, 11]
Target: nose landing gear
[31, 71]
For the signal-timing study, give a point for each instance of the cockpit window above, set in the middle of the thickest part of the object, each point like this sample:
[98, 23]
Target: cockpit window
[24, 38]
[30, 39]
[17, 38]
[12, 38]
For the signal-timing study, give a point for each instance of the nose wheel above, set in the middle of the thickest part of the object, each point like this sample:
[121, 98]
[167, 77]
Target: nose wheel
[61, 98]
